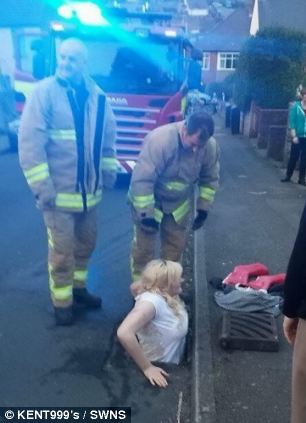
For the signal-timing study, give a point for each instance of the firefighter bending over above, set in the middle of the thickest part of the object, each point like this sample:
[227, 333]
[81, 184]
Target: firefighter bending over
[66, 150]
[174, 158]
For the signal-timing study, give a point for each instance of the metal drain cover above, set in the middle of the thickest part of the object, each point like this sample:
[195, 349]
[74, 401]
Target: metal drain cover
[249, 331]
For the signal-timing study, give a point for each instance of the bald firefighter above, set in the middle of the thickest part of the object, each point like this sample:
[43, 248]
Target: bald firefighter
[175, 157]
[66, 151]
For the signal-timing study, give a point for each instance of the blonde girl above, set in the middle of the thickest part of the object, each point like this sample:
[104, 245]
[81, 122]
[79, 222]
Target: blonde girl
[156, 328]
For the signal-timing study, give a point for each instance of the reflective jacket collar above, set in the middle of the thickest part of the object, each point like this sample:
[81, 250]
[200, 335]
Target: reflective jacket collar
[179, 126]
[89, 83]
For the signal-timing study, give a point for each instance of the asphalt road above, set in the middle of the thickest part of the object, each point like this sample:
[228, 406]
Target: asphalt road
[254, 219]
[45, 365]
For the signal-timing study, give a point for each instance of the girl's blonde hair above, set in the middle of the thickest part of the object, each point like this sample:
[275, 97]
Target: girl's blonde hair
[159, 276]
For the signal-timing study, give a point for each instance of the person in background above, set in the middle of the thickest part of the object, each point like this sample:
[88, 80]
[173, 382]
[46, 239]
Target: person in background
[7, 102]
[67, 152]
[155, 330]
[297, 125]
[295, 321]
[175, 157]
[214, 102]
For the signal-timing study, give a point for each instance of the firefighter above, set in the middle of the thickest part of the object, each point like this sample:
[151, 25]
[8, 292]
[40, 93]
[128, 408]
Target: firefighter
[174, 158]
[66, 151]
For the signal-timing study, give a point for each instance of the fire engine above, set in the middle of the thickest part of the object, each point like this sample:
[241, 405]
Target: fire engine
[139, 59]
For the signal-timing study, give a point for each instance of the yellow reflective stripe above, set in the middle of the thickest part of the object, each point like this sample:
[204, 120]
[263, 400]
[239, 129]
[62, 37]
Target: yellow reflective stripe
[158, 215]
[80, 275]
[175, 186]
[207, 193]
[183, 104]
[62, 134]
[142, 201]
[181, 211]
[24, 87]
[92, 200]
[135, 275]
[61, 293]
[109, 163]
[50, 238]
[37, 173]
[75, 201]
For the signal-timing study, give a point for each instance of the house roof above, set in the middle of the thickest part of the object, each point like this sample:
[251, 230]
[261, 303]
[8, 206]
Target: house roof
[225, 35]
[26, 13]
[290, 14]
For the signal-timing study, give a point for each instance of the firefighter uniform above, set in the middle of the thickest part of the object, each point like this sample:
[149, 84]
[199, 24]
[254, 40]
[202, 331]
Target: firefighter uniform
[66, 151]
[162, 187]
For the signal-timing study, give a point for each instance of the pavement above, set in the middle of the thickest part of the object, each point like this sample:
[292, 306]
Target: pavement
[254, 219]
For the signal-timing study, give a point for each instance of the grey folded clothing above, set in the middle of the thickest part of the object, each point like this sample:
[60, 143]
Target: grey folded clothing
[249, 301]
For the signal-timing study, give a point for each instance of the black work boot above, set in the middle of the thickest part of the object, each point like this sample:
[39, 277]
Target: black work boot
[81, 297]
[286, 179]
[63, 316]
[302, 182]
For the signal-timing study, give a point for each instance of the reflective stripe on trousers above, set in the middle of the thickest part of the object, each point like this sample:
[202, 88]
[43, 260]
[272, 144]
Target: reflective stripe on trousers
[207, 193]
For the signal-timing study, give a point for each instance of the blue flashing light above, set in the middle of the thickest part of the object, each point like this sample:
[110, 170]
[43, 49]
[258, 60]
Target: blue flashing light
[87, 13]
[57, 26]
[170, 33]
[142, 32]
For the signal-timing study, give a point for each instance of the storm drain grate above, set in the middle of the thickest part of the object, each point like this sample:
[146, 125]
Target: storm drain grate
[249, 331]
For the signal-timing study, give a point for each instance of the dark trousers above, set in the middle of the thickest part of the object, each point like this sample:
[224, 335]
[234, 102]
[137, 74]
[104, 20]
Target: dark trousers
[296, 151]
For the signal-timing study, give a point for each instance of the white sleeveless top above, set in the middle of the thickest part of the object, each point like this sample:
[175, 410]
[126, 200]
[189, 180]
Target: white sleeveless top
[163, 339]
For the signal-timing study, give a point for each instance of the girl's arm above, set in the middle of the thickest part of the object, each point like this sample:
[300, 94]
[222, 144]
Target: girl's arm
[139, 317]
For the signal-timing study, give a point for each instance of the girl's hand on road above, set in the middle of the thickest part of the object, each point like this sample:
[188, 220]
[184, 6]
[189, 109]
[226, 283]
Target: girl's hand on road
[290, 327]
[156, 376]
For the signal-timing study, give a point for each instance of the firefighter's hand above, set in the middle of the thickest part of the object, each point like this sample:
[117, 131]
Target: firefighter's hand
[295, 140]
[199, 220]
[45, 201]
[149, 225]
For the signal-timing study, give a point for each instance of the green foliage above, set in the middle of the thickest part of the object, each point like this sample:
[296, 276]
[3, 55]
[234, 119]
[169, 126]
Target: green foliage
[271, 66]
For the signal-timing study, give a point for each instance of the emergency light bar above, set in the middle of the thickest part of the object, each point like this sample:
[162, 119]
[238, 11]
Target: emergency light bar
[57, 27]
[87, 13]
[170, 33]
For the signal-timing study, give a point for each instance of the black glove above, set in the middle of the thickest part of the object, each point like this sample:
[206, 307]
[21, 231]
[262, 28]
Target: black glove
[199, 220]
[149, 224]
[45, 202]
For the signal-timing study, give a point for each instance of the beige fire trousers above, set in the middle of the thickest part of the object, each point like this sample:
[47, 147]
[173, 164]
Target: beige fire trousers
[172, 243]
[71, 241]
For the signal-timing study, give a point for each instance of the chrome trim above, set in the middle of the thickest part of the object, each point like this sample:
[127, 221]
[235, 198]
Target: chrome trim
[130, 130]
[119, 138]
[123, 147]
[135, 120]
[135, 109]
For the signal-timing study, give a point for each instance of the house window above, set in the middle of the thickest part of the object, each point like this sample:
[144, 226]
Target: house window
[227, 61]
[206, 61]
